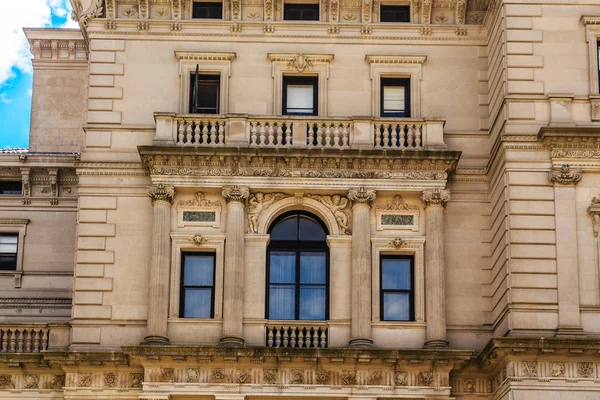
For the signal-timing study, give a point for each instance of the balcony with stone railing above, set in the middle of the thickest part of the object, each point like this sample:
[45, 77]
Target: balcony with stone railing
[33, 337]
[362, 133]
[292, 334]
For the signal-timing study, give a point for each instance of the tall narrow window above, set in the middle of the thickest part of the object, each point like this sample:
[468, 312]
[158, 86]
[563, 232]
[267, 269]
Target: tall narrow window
[598, 55]
[300, 95]
[397, 288]
[207, 10]
[8, 251]
[300, 12]
[197, 285]
[298, 273]
[11, 187]
[204, 93]
[395, 97]
[394, 13]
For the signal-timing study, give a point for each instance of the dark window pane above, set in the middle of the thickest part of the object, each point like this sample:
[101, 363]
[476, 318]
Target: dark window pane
[312, 302]
[395, 97]
[396, 273]
[11, 187]
[286, 229]
[394, 14]
[282, 302]
[282, 267]
[313, 267]
[301, 12]
[197, 303]
[396, 306]
[208, 10]
[310, 230]
[300, 95]
[206, 99]
[199, 270]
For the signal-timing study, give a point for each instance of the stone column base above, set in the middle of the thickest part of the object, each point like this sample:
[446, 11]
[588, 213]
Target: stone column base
[361, 342]
[569, 331]
[435, 344]
[156, 339]
[231, 341]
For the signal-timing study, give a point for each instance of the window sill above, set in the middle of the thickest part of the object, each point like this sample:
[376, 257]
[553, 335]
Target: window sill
[398, 324]
[205, 321]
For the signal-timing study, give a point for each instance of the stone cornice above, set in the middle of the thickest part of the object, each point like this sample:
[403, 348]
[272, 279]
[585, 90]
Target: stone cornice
[590, 19]
[291, 57]
[13, 221]
[205, 56]
[395, 59]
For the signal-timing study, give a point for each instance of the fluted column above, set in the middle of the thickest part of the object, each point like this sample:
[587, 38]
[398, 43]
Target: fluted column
[435, 293]
[160, 264]
[233, 282]
[361, 266]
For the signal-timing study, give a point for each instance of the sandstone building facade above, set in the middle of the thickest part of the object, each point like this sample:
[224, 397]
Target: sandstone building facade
[335, 199]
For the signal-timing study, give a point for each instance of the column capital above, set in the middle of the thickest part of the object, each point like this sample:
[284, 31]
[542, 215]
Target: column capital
[161, 193]
[235, 193]
[564, 175]
[435, 197]
[361, 195]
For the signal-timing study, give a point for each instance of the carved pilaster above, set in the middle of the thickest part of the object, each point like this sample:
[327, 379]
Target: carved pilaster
[335, 11]
[236, 10]
[25, 178]
[110, 9]
[435, 197]
[426, 12]
[161, 193]
[143, 7]
[461, 12]
[235, 193]
[176, 9]
[268, 10]
[564, 175]
[362, 195]
[367, 6]
[53, 177]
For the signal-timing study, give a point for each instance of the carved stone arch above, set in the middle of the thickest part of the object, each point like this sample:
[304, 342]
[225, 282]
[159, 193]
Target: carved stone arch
[292, 204]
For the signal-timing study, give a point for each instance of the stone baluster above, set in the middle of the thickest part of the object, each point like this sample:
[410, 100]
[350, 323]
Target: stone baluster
[435, 297]
[361, 266]
[158, 295]
[233, 287]
[567, 266]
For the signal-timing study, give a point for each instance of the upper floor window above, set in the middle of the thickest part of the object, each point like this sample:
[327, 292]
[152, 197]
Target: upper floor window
[300, 95]
[389, 13]
[197, 285]
[598, 55]
[8, 251]
[207, 10]
[301, 12]
[297, 269]
[395, 97]
[11, 187]
[397, 288]
[204, 93]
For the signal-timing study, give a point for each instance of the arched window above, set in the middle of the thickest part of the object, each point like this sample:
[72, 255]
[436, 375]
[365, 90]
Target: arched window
[298, 268]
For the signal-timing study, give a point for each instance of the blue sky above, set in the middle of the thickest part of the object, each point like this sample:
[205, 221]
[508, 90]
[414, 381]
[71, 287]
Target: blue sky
[15, 65]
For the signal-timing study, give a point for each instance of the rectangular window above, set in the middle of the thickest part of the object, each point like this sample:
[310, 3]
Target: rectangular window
[204, 93]
[206, 10]
[598, 55]
[300, 95]
[197, 285]
[8, 187]
[394, 13]
[301, 12]
[8, 251]
[395, 97]
[397, 288]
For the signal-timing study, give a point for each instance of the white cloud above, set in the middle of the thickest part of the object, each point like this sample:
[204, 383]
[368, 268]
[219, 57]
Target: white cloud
[16, 14]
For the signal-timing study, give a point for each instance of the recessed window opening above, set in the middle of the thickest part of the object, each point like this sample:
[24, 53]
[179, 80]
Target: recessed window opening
[207, 10]
[8, 251]
[395, 97]
[300, 12]
[297, 269]
[11, 187]
[204, 93]
[397, 288]
[197, 285]
[392, 13]
[300, 95]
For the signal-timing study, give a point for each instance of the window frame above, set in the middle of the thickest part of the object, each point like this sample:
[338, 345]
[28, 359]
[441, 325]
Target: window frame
[17, 183]
[411, 292]
[300, 79]
[193, 9]
[297, 246]
[390, 5]
[183, 287]
[18, 227]
[288, 4]
[191, 88]
[406, 85]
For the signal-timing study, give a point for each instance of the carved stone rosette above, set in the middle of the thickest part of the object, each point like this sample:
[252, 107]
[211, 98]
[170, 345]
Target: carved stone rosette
[161, 193]
[564, 175]
[235, 193]
[361, 196]
[435, 197]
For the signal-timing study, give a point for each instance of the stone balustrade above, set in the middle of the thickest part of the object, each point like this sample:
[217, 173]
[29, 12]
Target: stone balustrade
[235, 130]
[24, 338]
[294, 335]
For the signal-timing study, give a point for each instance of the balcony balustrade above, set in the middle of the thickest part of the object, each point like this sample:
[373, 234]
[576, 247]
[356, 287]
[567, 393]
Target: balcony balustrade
[295, 335]
[33, 338]
[199, 130]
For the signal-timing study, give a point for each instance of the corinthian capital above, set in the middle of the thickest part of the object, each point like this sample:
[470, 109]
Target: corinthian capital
[564, 175]
[161, 193]
[435, 197]
[361, 196]
[235, 193]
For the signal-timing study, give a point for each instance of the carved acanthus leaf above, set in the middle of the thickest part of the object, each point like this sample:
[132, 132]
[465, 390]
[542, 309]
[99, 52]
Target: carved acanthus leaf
[435, 197]
[397, 204]
[564, 175]
[161, 192]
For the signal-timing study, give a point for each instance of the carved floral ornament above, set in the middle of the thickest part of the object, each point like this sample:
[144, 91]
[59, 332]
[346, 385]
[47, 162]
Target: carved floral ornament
[564, 175]
[300, 62]
[435, 197]
[594, 212]
[161, 193]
